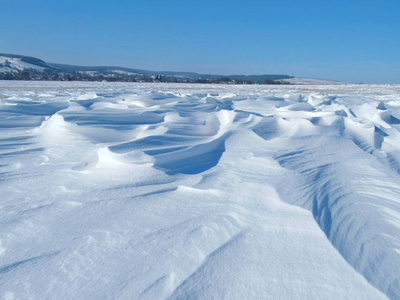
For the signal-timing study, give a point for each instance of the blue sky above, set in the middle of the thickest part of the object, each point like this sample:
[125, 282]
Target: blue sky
[356, 41]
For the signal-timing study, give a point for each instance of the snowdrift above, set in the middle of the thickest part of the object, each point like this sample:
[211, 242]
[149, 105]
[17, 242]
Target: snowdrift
[156, 191]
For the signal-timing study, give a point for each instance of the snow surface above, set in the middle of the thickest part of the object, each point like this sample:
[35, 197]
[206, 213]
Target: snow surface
[155, 191]
[312, 81]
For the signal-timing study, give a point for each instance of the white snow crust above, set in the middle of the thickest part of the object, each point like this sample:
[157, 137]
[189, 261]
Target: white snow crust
[168, 191]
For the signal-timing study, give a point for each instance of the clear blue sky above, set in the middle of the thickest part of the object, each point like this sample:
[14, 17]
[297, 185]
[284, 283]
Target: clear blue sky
[344, 40]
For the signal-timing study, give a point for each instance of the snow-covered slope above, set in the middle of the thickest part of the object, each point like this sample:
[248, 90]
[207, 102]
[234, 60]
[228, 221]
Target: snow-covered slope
[155, 191]
[15, 64]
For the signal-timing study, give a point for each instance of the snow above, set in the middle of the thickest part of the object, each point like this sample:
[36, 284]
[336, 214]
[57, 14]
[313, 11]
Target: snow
[312, 81]
[124, 72]
[155, 191]
[91, 73]
[7, 70]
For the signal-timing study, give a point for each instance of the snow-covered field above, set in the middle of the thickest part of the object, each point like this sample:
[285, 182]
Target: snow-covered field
[312, 81]
[154, 191]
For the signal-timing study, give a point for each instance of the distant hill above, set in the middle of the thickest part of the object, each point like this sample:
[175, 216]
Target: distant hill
[21, 62]
[14, 66]
[27, 59]
[107, 69]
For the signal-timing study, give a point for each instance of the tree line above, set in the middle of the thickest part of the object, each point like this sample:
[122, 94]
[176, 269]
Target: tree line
[55, 75]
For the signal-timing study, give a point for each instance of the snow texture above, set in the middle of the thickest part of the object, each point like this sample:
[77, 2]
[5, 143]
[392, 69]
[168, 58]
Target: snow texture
[166, 191]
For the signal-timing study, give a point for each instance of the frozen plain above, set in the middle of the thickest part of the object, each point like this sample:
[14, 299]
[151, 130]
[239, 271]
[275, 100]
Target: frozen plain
[156, 191]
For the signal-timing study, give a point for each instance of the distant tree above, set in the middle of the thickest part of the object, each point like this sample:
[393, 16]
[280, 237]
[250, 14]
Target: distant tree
[55, 77]
[9, 76]
[269, 81]
[224, 79]
[66, 77]
[25, 75]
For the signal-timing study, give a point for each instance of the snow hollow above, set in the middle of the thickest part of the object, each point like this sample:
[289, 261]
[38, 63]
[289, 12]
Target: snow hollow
[156, 191]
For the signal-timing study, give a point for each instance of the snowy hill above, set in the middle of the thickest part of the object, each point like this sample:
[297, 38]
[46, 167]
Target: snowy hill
[16, 63]
[179, 191]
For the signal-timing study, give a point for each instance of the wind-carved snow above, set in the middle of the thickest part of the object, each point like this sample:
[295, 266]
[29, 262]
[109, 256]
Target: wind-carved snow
[157, 191]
